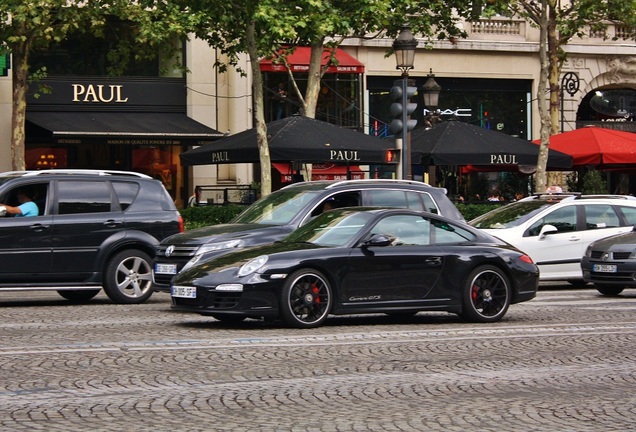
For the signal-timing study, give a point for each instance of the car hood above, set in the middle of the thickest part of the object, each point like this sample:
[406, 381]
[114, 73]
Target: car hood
[616, 240]
[217, 268]
[224, 232]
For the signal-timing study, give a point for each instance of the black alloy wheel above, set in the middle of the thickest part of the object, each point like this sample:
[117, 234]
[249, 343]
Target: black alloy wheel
[486, 295]
[306, 299]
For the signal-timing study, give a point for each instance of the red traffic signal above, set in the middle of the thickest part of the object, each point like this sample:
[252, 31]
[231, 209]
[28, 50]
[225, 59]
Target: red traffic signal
[392, 156]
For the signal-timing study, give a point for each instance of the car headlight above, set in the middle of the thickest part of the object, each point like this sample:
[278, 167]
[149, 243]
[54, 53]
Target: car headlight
[588, 251]
[211, 247]
[252, 265]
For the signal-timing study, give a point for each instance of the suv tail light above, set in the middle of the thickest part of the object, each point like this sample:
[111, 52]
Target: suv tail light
[181, 224]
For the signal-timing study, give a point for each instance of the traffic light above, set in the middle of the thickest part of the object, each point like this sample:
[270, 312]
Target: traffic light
[392, 156]
[400, 100]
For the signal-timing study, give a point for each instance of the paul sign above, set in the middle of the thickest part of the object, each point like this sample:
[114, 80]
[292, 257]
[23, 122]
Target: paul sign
[499, 159]
[344, 155]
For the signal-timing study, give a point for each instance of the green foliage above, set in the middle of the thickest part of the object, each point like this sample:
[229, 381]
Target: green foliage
[586, 182]
[197, 217]
[471, 211]
[593, 183]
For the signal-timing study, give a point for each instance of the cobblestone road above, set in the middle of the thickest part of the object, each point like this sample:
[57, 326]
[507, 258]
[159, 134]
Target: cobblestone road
[565, 361]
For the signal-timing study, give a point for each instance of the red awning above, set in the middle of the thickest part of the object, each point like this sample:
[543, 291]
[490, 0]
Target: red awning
[321, 172]
[299, 62]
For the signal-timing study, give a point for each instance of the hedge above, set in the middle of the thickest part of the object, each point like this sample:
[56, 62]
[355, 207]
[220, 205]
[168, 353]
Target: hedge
[196, 217]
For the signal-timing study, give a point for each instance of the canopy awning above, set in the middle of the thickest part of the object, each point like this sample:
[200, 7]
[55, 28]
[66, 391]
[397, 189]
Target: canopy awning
[322, 172]
[120, 128]
[299, 62]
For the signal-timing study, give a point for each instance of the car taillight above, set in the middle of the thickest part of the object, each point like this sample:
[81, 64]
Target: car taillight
[526, 259]
[181, 224]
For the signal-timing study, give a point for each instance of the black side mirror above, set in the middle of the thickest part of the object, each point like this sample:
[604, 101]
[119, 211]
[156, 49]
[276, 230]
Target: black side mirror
[378, 240]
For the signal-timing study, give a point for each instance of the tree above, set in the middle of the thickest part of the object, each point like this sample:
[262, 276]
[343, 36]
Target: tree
[559, 21]
[30, 25]
[265, 28]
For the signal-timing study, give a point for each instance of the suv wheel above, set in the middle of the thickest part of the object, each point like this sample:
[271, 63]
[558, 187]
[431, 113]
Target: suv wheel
[128, 277]
[78, 296]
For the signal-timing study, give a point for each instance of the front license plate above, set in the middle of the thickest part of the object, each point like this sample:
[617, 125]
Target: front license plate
[170, 269]
[183, 291]
[604, 268]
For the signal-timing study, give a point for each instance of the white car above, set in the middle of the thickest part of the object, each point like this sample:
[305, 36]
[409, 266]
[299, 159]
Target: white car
[555, 229]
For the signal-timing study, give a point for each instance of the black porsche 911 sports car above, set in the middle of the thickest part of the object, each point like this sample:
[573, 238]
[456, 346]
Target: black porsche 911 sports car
[362, 260]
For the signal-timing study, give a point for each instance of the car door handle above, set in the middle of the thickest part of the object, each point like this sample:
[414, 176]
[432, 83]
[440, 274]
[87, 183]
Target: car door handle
[433, 260]
[39, 227]
[112, 223]
[574, 238]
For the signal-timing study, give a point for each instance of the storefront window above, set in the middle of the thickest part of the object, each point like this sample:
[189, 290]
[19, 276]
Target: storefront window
[502, 105]
[338, 101]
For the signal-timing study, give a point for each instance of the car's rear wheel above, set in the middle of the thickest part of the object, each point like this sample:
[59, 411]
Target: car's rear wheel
[78, 296]
[486, 295]
[609, 290]
[306, 299]
[128, 278]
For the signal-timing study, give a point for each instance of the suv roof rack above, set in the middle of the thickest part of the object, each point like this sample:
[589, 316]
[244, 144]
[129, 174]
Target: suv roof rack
[81, 171]
[380, 181]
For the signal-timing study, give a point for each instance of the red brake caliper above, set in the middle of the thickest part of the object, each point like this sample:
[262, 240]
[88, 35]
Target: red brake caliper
[315, 290]
[474, 292]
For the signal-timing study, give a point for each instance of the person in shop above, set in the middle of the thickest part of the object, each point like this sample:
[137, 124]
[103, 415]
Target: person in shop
[280, 101]
[195, 199]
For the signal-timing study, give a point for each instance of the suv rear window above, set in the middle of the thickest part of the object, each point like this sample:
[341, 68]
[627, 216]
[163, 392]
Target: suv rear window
[400, 199]
[83, 197]
[126, 193]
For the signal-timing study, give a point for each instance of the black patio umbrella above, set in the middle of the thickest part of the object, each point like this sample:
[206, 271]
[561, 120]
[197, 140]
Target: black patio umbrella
[458, 143]
[295, 138]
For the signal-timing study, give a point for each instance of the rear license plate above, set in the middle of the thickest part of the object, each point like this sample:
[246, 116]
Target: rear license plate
[170, 269]
[604, 268]
[183, 291]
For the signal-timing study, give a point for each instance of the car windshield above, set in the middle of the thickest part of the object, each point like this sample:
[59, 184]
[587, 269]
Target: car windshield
[510, 215]
[278, 208]
[333, 228]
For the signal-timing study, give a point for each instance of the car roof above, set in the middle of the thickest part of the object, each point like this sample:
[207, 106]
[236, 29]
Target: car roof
[88, 172]
[329, 185]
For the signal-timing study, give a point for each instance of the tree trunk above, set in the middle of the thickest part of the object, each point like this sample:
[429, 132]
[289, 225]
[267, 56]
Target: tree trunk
[544, 113]
[20, 73]
[259, 112]
[554, 62]
[313, 80]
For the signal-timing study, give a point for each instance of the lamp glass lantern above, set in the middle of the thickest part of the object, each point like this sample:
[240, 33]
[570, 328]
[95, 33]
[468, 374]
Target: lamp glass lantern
[430, 91]
[404, 48]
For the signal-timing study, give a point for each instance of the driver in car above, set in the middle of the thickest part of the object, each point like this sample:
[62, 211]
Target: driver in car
[26, 208]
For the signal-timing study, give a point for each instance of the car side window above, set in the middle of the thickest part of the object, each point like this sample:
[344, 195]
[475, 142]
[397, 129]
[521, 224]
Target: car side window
[629, 213]
[600, 216]
[443, 232]
[39, 192]
[126, 193]
[400, 199]
[564, 219]
[83, 197]
[405, 230]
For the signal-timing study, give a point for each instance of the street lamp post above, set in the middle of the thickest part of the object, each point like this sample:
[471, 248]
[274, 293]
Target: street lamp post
[404, 48]
[430, 92]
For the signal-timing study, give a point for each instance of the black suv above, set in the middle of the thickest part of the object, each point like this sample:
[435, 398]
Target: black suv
[273, 217]
[94, 229]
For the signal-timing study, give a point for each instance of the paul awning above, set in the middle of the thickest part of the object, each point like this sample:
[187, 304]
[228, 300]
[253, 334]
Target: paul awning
[299, 62]
[321, 172]
[128, 128]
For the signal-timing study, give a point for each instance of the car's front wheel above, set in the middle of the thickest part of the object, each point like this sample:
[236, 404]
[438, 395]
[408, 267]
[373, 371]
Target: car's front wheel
[78, 296]
[486, 295]
[609, 290]
[128, 278]
[306, 299]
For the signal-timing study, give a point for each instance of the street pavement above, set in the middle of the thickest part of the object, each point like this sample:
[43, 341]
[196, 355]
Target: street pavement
[565, 361]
